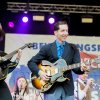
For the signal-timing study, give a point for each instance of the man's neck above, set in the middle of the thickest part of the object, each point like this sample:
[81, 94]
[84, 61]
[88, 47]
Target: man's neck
[60, 42]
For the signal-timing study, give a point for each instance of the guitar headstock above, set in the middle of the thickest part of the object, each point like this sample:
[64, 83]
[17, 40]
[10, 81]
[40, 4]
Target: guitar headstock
[29, 45]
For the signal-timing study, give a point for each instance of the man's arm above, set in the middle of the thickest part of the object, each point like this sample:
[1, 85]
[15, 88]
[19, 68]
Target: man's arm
[34, 62]
[12, 64]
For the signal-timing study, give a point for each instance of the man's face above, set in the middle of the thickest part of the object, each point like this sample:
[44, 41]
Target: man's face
[62, 33]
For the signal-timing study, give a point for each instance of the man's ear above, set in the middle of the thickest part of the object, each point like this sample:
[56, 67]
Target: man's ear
[55, 33]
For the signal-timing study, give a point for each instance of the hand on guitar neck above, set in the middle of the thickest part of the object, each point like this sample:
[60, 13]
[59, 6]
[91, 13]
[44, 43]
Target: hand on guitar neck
[18, 51]
[18, 55]
[84, 67]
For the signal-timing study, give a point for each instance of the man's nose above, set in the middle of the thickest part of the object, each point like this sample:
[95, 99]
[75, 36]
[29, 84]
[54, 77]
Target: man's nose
[66, 32]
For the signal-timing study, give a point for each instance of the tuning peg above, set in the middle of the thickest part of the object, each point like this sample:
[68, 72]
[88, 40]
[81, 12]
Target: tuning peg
[29, 45]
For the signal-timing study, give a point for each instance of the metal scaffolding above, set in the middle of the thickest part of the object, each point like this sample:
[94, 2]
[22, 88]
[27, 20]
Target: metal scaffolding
[62, 8]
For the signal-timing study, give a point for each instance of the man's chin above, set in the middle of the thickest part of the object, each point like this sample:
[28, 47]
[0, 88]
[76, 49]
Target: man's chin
[64, 40]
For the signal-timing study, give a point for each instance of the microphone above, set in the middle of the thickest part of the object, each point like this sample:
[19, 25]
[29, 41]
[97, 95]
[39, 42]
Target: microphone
[20, 97]
[20, 88]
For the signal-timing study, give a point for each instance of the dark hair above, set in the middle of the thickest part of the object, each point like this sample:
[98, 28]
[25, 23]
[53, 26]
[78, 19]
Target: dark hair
[56, 26]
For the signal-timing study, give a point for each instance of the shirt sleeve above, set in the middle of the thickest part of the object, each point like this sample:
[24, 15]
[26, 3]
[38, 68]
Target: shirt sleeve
[78, 93]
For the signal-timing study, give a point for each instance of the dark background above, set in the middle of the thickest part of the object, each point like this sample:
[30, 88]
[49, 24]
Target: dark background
[79, 2]
[76, 27]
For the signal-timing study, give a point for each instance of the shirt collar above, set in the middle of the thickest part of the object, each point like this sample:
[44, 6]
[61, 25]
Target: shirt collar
[59, 44]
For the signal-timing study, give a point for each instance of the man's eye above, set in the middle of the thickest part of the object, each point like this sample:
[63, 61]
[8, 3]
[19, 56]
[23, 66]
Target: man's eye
[62, 30]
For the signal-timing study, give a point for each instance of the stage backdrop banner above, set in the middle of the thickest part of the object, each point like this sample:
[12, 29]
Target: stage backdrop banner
[89, 48]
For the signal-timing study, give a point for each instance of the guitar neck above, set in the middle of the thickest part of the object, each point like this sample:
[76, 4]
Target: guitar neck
[8, 56]
[74, 66]
[70, 67]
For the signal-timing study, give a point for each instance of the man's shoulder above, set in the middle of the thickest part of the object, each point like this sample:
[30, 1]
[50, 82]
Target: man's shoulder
[46, 46]
[73, 46]
[50, 44]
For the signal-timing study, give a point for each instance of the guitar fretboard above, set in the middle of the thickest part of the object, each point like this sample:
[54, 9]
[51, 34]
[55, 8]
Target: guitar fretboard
[69, 67]
[74, 66]
[8, 56]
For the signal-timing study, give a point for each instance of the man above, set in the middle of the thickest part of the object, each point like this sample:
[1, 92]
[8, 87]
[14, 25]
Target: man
[4, 91]
[83, 87]
[51, 53]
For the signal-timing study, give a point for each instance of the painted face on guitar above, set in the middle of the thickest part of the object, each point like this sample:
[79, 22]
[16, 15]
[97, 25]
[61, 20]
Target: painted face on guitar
[22, 83]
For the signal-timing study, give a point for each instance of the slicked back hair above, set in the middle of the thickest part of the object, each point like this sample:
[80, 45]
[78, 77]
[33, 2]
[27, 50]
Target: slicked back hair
[56, 26]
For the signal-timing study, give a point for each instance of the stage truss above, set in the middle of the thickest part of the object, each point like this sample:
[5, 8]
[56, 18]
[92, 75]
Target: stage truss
[61, 8]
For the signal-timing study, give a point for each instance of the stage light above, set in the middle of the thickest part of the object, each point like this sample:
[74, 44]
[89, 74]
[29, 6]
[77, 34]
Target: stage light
[38, 17]
[11, 24]
[25, 19]
[87, 19]
[51, 20]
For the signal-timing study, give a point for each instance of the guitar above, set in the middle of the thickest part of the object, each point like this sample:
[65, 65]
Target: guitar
[4, 65]
[54, 70]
